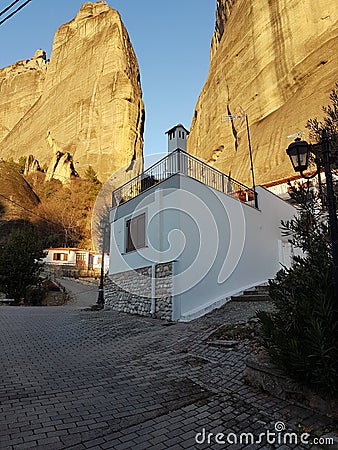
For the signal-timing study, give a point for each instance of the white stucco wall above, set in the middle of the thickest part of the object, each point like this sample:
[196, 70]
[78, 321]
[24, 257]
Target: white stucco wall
[159, 226]
[220, 246]
[247, 249]
[97, 258]
[71, 256]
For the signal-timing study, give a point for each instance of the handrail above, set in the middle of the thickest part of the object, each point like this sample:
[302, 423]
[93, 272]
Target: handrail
[139, 175]
[179, 161]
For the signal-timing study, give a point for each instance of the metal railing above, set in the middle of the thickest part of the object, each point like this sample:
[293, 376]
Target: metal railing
[182, 162]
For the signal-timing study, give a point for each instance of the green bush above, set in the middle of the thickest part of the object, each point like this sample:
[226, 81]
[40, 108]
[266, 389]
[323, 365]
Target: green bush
[20, 261]
[35, 295]
[301, 334]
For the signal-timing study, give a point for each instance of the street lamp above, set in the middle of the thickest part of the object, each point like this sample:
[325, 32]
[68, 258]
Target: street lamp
[299, 152]
[100, 298]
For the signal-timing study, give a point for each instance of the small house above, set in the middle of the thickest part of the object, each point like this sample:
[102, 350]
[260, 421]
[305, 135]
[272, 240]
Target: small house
[72, 261]
[184, 244]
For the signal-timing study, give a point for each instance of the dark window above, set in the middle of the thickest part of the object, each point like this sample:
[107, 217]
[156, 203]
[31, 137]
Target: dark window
[60, 257]
[136, 233]
[81, 259]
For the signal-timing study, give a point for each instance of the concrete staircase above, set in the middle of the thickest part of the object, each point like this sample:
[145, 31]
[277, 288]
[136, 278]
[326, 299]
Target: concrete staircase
[255, 294]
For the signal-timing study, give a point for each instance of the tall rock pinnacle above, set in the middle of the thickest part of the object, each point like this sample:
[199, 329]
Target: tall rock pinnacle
[88, 96]
[278, 61]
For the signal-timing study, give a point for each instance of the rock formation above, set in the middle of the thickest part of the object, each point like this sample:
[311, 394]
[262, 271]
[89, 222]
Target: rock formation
[61, 166]
[16, 196]
[89, 97]
[21, 86]
[32, 165]
[278, 61]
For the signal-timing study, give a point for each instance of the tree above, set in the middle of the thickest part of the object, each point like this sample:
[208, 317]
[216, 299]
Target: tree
[329, 122]
[20, 261]
[301, 333]
[66, 208]
[91, 175]
[18, 166]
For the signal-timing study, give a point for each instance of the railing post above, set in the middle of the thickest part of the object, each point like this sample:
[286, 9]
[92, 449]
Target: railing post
[178, 160]
[223, 182]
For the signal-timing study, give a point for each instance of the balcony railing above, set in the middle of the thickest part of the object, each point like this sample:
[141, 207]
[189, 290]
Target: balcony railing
[182, 162]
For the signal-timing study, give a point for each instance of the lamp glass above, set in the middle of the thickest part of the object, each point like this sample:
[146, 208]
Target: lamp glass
[298, 152]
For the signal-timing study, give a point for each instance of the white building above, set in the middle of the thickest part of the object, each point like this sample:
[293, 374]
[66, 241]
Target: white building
[186, 244]
[74, 257]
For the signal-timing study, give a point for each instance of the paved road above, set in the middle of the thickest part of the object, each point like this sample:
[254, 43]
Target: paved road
[73, 379]
[83, 292]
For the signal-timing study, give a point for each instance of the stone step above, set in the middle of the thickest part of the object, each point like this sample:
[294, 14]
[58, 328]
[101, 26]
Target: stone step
[223, 343]
[256, 292]
[247, 297]
[262, 288]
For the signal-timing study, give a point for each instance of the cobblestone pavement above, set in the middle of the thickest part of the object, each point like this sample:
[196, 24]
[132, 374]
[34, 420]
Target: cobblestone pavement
[73, 379]
[83, 292]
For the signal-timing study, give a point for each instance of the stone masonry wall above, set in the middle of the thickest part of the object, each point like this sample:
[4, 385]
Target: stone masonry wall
[131, 291]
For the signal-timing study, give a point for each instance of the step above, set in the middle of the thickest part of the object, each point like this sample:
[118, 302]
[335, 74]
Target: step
[226, 343]
[251, 298]
[262, 288]
[256, 292]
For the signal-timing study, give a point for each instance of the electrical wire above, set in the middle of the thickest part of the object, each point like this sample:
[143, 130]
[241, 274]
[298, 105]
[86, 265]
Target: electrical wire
[8, 7]
[28, 210]
[15, 11]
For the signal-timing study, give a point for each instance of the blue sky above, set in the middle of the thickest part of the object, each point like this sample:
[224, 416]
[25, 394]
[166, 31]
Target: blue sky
[171, 40]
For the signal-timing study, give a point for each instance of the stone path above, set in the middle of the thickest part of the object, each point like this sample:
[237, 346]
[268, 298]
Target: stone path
[84, 292]
[105, 380]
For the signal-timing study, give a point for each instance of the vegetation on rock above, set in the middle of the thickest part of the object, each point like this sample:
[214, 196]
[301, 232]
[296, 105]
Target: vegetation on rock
[67, 209]
[17, 166]
[61, 213]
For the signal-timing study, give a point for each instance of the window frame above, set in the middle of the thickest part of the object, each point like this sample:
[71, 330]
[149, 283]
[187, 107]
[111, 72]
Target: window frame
[60, 256]
[140, 222]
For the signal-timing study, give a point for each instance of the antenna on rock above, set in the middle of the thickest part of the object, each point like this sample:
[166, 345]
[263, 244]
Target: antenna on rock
[242, 115]
[295, 135]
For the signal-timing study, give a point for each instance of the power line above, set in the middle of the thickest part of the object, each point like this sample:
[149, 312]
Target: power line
[8, 7]
[28, 210]
[15, 11]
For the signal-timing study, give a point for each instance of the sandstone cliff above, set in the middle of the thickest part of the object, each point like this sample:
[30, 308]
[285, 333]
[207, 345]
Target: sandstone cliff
[21, 86]
[278, 61]
[89, 97]
[16, 196]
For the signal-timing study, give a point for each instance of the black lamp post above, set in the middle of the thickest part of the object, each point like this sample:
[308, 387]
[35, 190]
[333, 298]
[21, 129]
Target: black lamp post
[100, 298]
[299, 152]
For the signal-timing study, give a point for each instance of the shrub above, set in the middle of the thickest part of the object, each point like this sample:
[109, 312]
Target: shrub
[20, 261]
[35, 295]
[301, 334]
